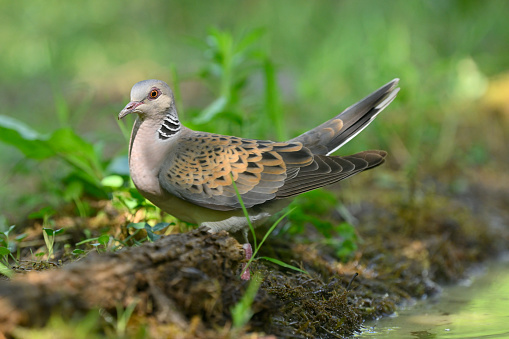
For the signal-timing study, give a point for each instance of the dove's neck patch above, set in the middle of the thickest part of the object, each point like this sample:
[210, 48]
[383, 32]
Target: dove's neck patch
[170, 126]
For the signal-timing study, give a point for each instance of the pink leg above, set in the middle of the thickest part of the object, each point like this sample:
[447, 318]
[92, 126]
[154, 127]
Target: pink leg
[249, 253]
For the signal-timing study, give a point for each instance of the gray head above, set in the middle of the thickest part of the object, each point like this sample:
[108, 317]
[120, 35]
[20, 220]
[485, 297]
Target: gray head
[150, 99]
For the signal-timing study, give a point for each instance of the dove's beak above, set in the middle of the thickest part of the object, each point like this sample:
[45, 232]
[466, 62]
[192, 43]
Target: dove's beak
[129, 108]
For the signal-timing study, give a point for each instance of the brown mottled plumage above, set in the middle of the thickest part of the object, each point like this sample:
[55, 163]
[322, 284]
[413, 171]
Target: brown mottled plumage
[189, 174]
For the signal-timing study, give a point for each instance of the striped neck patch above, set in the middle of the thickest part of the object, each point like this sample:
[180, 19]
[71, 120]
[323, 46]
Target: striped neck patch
[169, 127]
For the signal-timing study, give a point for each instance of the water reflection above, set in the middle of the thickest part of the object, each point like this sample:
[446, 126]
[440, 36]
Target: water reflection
[478, 308]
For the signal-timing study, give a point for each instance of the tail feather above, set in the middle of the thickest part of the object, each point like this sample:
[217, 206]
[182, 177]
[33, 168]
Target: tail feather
[332, 134]
[326, 170]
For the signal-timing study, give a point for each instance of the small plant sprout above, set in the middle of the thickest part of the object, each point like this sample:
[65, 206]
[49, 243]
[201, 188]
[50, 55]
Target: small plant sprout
[49, 238]
[5, 246]
[48, 233]
[8, 247]
[123, 316]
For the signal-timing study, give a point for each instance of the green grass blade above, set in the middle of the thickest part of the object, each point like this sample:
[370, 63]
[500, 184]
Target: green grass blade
[280, 263]
[242, 312]
[244, 209]
[264, 238]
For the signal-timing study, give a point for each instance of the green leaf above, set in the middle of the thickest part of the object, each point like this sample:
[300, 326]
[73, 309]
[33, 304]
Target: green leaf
[283, 264]
[73, 190]
[48, 231]
[20, 237]
[6, 271]
[152, 236]
[136, 225]
[346, 230]
[78, 251]
[211, 110]
[114, 181]
[104, 239]
[43, 212]
[29, 142]
[158, 227]
[6, 233]
[161, 226]
[77, 152]
[4, 251]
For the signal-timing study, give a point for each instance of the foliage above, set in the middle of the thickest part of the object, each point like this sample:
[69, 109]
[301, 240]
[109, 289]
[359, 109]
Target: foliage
[7, 250]
[123, 315]
[231, 65]
[310, 209]
[63, 143]
[49, 238]
[242, 312]
[58, 327]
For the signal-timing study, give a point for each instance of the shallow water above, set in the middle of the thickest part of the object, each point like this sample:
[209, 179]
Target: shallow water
[476, 308]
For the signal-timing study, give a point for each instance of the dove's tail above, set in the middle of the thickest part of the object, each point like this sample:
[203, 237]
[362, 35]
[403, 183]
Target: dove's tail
[332, 134]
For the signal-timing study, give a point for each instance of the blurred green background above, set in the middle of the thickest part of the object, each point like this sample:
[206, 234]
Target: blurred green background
[282, 66]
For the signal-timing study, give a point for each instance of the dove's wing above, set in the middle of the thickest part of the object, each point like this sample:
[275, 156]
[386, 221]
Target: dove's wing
[200, 170]
[201, 167]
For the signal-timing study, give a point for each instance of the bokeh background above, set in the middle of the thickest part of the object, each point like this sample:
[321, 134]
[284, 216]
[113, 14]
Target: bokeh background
[264, 69]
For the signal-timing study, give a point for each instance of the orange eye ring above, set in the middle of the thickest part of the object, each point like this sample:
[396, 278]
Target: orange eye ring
[154, 93]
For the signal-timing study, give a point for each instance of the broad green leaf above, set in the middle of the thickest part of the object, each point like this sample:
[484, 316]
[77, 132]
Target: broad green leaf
[114, 181]
[4, 251]
[104, 239]
[29, 142]
[77, 152]
[160, 226]
[136, 225]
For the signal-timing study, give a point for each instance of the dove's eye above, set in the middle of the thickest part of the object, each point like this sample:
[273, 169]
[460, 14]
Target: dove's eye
[154, 93]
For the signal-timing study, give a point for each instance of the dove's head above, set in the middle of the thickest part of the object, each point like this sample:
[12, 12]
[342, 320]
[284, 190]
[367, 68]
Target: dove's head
[150, 99]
